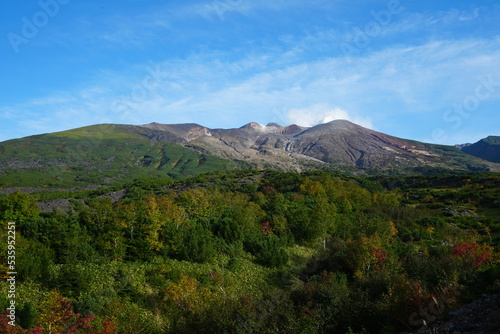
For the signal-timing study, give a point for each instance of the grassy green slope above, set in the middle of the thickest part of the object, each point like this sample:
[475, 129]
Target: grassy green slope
[109, 154]
[454, 159]
[96, 155]
[493, 140]
[487, 149]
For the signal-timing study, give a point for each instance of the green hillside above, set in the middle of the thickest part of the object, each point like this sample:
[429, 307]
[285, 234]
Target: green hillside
[96, 155]
[112, 154]
[487, 149]
[493, 140]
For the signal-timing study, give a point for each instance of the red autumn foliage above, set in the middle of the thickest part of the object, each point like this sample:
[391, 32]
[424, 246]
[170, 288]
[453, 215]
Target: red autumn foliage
[266, 227]
[268, 190]
[471, 251]
[6, 328]
[59, 318]
[108, 327]
[297, 197]
[380, 255]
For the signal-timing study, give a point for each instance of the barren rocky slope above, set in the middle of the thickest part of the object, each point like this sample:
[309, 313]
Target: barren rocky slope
[110, 153]
[292, 147]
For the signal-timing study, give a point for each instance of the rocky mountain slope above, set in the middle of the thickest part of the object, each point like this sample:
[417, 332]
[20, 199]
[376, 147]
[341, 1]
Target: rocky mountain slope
[338, 143]
[112, 153]
[482, 316]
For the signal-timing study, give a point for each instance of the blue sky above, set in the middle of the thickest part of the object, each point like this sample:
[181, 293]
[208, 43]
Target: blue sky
[423, 70]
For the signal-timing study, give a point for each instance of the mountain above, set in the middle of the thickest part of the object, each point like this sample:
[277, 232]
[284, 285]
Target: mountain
[337, 144]
[99, 154]
[487, 149]
[115, 153]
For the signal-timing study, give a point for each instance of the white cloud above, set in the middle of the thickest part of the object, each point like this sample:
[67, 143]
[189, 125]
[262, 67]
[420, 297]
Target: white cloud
[408, 21]
[221, 8]
[217, 92]
[464, 16]
[454, 15]
[323, 113]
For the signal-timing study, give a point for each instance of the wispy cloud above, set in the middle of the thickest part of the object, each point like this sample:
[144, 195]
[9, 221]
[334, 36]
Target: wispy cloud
[408, 21]
[219, 9]
[170, 21]
[222, 89]
[323, 113]
[454, 15]
[223, 63]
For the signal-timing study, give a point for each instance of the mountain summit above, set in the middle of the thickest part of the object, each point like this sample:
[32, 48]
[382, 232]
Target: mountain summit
[114, 152]
[487, 149]
[339, 142]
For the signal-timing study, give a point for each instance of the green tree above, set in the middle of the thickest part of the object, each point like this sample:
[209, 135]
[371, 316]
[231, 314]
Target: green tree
[102, 220]
[20, 208]
[271, 252]
[34, 260]
[229, 230]
[198, 245]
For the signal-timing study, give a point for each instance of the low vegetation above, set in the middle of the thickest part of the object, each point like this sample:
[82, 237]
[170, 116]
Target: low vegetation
[97, 154]
[254, 252]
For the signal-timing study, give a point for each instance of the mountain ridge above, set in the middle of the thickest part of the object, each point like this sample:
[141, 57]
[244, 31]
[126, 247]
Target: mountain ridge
[338, 142]
[487, 148]
[112, 152]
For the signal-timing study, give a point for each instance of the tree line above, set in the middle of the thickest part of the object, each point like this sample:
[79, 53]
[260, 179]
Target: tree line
[252, 252]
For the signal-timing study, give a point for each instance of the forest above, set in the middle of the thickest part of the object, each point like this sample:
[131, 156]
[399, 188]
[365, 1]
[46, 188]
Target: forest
[252, 252]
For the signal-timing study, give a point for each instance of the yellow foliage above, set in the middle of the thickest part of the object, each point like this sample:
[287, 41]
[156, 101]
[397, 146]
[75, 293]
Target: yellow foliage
[201, 203]
[393, 229]
[310, 187]
[187, 295]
